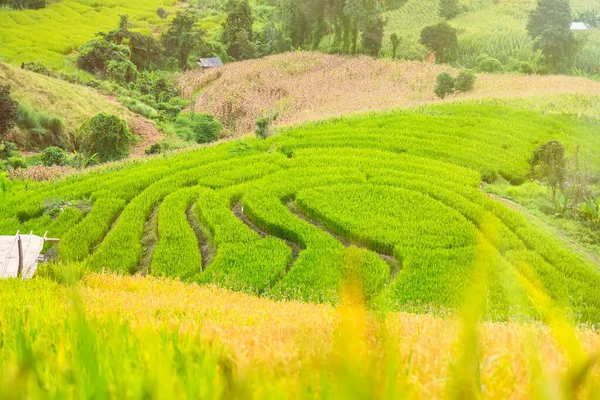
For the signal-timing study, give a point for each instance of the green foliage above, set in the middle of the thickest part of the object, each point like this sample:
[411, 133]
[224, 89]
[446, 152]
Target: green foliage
[16, 162]
[41, 129]
[237, 30]
[297, 215]
[183, 37]
[372, 35]
[8, 150]
[548, 164]
[465, 81]
[263, 126]
[54, 156]
[488, 64]
[395, 42]
[588, 15]
[449, 9]
[95, 55]
[549, 24]
[105, 135]
[24, 4]
[442, 40]
[145, 51]
[590, 211]
[8, 111]
[444, 85]
[197, 127]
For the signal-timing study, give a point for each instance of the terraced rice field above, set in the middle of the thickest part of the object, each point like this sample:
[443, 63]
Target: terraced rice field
[389, 201]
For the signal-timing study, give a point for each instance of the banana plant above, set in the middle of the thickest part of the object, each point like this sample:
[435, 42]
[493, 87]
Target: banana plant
[590, 210]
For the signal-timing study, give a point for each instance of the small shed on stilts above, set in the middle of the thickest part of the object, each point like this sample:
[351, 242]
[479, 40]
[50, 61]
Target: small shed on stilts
[20, 254]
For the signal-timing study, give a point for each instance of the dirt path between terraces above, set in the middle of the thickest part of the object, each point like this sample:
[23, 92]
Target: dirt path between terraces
[530, 217]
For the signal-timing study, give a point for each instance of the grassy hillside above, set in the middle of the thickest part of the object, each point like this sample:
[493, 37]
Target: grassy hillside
[306, 86]
[50, 34]
[134, 337]
[389, 200]
[73, 103]
[496, 28]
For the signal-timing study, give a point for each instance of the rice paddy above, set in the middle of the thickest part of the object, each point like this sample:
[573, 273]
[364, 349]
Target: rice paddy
[391, 200]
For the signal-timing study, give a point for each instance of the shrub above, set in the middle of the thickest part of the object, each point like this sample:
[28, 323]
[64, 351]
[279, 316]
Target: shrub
[444, 85]
[465, 81]
[525, 68]
[449, 9]
[8, 110]
[490, 65]
[8, 150]
[105, 135]
[54, 156]
[263, 127]
[154, 149]
[16, 162]
[197, 127]
[95, 55]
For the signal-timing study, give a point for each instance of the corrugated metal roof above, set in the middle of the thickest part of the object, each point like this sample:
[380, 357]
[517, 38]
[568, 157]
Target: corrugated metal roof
[580, 26]
[210, 62]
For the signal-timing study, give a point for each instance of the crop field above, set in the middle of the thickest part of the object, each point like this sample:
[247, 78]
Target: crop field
[309, 86]
[495, 28]
[389, 201]
[142, 337]
[50, 34]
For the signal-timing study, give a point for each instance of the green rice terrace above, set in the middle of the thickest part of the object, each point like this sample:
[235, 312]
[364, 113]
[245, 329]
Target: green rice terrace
[392, 200]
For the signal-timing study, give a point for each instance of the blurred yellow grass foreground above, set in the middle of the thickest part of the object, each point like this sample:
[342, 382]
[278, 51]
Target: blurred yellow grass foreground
[133, 337]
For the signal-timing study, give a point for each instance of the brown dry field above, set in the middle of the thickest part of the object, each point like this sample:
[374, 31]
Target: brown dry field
[306, 86]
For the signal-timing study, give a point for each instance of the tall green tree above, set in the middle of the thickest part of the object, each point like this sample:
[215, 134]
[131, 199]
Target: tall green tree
[548, 165]
[372, 35]
[183, 37]
[549, 24]
[442, 40]
[395, 40]
[237, 30]
[8, 111]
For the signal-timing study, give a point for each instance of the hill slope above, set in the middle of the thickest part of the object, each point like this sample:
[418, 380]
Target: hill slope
[304, 86]
[73, 103]
[389, 200]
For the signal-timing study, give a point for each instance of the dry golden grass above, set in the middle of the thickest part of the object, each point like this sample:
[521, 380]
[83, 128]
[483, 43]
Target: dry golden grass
[305, 86]
[290, 337]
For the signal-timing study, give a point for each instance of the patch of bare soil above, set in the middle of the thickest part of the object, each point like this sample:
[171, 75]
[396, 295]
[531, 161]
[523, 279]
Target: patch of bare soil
[148, 134]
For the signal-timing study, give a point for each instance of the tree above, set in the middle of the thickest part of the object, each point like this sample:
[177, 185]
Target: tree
[395, 43]
[144, 49]
[549, 24]
[465, 81]
[548, 165]
[442, 40]
[95, 55]
[237, 30]
[444, 85]
[9, 111]
[449, 9]
[106, 136]
[183, 37]
[162, 13]
[372, 35]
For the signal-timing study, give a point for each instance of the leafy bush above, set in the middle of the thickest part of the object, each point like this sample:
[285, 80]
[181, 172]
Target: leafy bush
[98, 55]
[8, 150]
[105, 135]
[16, 162]
[444, 85]
[490, 65]
[54, 156]
[465, 81]
[449, 9]
[8, 110]
[197, 127]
